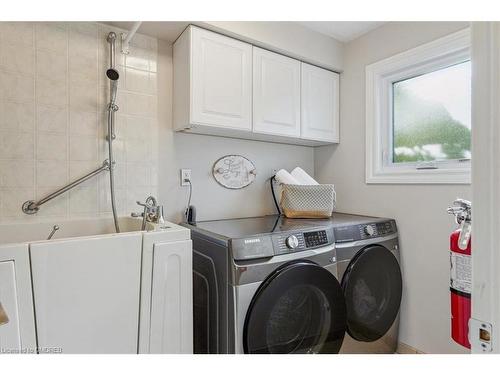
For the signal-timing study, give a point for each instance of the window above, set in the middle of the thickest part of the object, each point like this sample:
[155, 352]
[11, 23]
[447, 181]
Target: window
[418, 114]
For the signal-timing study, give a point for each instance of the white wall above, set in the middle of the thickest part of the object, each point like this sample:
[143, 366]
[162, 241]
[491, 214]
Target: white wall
[53, 98]
[420, 210]
[199, 152]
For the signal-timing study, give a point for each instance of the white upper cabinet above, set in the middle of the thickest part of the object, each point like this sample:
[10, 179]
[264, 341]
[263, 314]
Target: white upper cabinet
[212, 81]
[226, 87]
[276, 94]
[319, 104]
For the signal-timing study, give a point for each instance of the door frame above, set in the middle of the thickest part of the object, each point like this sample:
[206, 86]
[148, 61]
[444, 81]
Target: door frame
[486, 179]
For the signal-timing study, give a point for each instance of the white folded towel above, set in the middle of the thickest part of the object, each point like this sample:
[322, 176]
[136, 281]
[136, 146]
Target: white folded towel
[283, 177]
[302, 177]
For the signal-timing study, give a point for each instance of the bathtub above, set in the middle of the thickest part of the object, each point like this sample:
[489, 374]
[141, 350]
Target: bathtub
[90, 290]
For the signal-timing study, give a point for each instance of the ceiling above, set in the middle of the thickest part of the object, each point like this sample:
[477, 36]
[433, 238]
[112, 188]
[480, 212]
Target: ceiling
[164, 30]
[344, 31]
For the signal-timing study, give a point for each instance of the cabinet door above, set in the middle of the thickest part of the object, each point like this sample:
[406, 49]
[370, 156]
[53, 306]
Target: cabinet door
[320, 104]
[10, 337]
[86, 293]
[171, 329]
[221, 81]
[276, 94]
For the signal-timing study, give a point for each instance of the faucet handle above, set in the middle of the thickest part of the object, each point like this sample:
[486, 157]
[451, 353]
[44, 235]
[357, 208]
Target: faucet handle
[141, 204]
[136, 214]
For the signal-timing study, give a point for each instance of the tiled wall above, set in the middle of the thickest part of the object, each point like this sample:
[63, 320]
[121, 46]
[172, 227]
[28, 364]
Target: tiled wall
[53, 98]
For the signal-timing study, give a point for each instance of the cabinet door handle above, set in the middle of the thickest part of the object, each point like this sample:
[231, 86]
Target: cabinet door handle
[4, 319]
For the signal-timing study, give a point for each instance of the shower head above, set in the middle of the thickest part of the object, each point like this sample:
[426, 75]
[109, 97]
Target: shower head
[112, 74]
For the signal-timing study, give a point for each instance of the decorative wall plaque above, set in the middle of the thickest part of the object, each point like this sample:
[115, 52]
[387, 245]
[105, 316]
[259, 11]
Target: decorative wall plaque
[234, 171]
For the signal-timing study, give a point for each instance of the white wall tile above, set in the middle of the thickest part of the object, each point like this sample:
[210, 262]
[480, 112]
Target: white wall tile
[83, 40]
[138, 58]
[16, 59]
[83, 70]
[137, 127]
[51, 92]
[17, 173]
[137, 80]
[52, 36]
[83, 96]
[50, 173]
[78, 169]
[53, 119]
[17, 33]
[83, 200]
[138, 174]
[56, 209]
[83, 148]
[17, 116]
[51, 146]
[83, 123]
[16, 145]
[16, 87]
[137, 150]
[50, 65]
[138, 104]
[12, 200]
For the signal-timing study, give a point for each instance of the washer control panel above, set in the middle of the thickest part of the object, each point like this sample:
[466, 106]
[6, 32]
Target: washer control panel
[365, 231]
[292, 242]
[317, 238]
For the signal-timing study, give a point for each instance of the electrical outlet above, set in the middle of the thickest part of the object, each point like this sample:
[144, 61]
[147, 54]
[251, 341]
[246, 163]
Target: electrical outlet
[185, 177]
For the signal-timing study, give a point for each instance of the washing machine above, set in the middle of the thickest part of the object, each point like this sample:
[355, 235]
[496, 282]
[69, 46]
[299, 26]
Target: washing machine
[266, 285]
[275, 285]
[367, 251]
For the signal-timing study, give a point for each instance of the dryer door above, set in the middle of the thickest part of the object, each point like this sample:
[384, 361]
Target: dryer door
[372, 288]
[299, 308]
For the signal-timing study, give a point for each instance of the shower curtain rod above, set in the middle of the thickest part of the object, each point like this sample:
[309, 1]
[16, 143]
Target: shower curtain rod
[127, 37]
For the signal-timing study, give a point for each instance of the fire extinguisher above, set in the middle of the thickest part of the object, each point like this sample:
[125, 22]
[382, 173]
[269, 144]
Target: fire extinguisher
[461, 272]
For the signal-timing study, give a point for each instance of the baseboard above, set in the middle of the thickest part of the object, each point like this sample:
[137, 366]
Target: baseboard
[407, 349]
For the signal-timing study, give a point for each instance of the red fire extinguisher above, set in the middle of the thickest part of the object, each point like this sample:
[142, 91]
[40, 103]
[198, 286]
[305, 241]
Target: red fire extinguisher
[461, 272]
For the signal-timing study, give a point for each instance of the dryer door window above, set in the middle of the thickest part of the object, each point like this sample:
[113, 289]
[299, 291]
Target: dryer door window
[372, 288]
[300, 308]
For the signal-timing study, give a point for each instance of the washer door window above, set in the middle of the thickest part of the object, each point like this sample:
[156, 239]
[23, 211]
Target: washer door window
[300, 308]
[372, 288]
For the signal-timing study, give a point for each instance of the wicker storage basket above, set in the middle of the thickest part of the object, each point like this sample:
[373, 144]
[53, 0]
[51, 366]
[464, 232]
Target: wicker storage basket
[307, 201]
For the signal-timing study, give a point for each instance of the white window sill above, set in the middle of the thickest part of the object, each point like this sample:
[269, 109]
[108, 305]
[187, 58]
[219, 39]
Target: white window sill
[422, 176]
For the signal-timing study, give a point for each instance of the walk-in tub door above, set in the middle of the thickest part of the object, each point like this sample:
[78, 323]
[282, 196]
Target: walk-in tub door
[86, 293]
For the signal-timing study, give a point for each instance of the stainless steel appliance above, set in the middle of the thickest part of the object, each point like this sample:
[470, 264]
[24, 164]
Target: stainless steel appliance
[368, 268]
[271, 284]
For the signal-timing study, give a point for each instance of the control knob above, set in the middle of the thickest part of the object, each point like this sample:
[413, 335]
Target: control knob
[369, 231]
[292, 242]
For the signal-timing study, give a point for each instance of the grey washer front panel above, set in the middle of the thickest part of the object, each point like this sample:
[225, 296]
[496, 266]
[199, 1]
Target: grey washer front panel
[345, 252]
[230, 286]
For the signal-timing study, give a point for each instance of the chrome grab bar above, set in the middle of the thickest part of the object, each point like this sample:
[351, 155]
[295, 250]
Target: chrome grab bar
[31, 207]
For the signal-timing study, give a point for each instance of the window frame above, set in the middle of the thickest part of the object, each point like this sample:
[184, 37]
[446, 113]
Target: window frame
[380, 76]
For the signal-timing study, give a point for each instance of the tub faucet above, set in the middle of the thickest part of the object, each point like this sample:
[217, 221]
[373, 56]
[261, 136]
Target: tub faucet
[151, 212]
